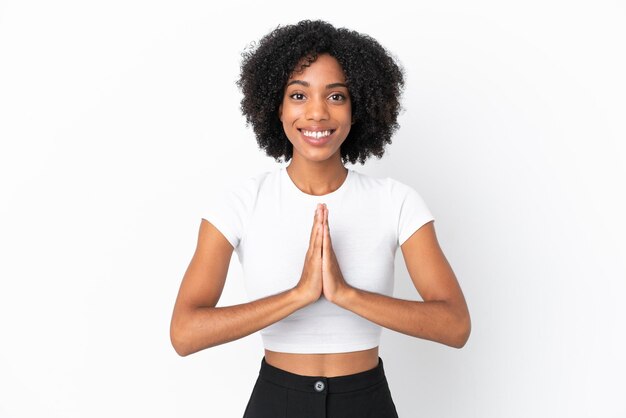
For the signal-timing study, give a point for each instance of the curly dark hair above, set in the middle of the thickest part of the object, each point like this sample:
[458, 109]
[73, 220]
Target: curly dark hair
[375, 82]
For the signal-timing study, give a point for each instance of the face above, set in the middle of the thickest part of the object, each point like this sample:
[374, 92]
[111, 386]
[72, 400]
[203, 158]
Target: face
[316, 110]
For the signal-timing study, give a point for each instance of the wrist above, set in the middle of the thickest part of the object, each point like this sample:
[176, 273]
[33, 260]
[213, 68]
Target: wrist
[301, 296]
[343, 295]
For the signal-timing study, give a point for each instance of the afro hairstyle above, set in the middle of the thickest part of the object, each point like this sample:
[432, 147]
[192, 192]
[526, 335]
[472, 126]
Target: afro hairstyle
[375, 82]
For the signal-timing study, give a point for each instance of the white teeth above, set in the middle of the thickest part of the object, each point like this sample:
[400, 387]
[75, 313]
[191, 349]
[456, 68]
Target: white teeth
[316, 135]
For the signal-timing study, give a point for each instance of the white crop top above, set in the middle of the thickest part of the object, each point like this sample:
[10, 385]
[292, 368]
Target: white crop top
[268, 221]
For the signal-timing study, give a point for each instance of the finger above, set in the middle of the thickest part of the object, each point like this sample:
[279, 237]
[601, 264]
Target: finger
[325, 235]
[328, 242]
[318, 239]
[327, 224]
[316, 219]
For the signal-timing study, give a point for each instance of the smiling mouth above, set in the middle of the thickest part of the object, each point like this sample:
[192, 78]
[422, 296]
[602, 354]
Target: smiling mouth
[317, 134]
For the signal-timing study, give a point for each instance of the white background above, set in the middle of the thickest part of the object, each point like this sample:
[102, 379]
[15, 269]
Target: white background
[118, 119]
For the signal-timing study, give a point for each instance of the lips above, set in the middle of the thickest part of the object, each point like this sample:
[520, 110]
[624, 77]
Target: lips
[316, 136]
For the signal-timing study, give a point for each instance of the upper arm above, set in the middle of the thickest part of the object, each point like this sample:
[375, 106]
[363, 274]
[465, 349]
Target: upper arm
[204, 279]
[429, 269]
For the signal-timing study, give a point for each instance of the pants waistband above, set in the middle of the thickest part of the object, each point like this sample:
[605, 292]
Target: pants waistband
[336, 384]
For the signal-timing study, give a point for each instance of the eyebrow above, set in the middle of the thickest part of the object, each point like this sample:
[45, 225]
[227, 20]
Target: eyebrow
[306, 84]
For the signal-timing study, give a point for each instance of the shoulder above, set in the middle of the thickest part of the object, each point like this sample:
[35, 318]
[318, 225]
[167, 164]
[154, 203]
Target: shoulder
[367, 182]
[409, 208]
[386, 182]
[246, 187]
[400, 191]
[231, 204]
[396, 186]
[236, 197]
[394, 190]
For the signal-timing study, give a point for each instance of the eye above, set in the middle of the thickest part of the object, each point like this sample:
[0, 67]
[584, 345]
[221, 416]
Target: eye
[297, 96]
[338, 97]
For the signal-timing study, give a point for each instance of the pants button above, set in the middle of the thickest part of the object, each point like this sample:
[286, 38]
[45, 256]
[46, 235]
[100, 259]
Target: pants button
[319, 386]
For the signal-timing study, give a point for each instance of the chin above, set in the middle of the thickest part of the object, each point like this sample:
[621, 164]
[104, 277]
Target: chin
[317, 156]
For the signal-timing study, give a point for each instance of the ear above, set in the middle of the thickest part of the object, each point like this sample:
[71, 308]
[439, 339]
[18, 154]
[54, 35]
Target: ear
[280, 112]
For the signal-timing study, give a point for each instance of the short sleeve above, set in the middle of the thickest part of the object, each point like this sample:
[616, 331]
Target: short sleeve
[228, 209]
[410, 211]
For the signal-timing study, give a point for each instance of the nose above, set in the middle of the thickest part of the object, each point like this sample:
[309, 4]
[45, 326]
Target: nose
[316, 109]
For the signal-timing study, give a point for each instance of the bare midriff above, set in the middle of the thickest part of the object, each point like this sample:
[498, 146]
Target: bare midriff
[328, 365]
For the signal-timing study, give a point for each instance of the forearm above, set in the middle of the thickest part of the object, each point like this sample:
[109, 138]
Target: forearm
[205, 327]
[431, 320]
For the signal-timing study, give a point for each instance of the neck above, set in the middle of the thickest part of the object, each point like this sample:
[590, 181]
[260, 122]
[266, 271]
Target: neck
[317, 178]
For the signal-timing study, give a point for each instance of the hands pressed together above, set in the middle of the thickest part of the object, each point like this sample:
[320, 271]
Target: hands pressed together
[321, 274]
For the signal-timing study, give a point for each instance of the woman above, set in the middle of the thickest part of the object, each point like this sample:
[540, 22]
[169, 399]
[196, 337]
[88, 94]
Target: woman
[320, 291]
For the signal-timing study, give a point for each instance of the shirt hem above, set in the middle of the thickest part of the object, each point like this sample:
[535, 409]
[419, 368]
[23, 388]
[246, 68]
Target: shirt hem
[319, 348]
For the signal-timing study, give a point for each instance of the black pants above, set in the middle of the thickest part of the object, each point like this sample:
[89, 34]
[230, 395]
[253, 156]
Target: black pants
[280, 394]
